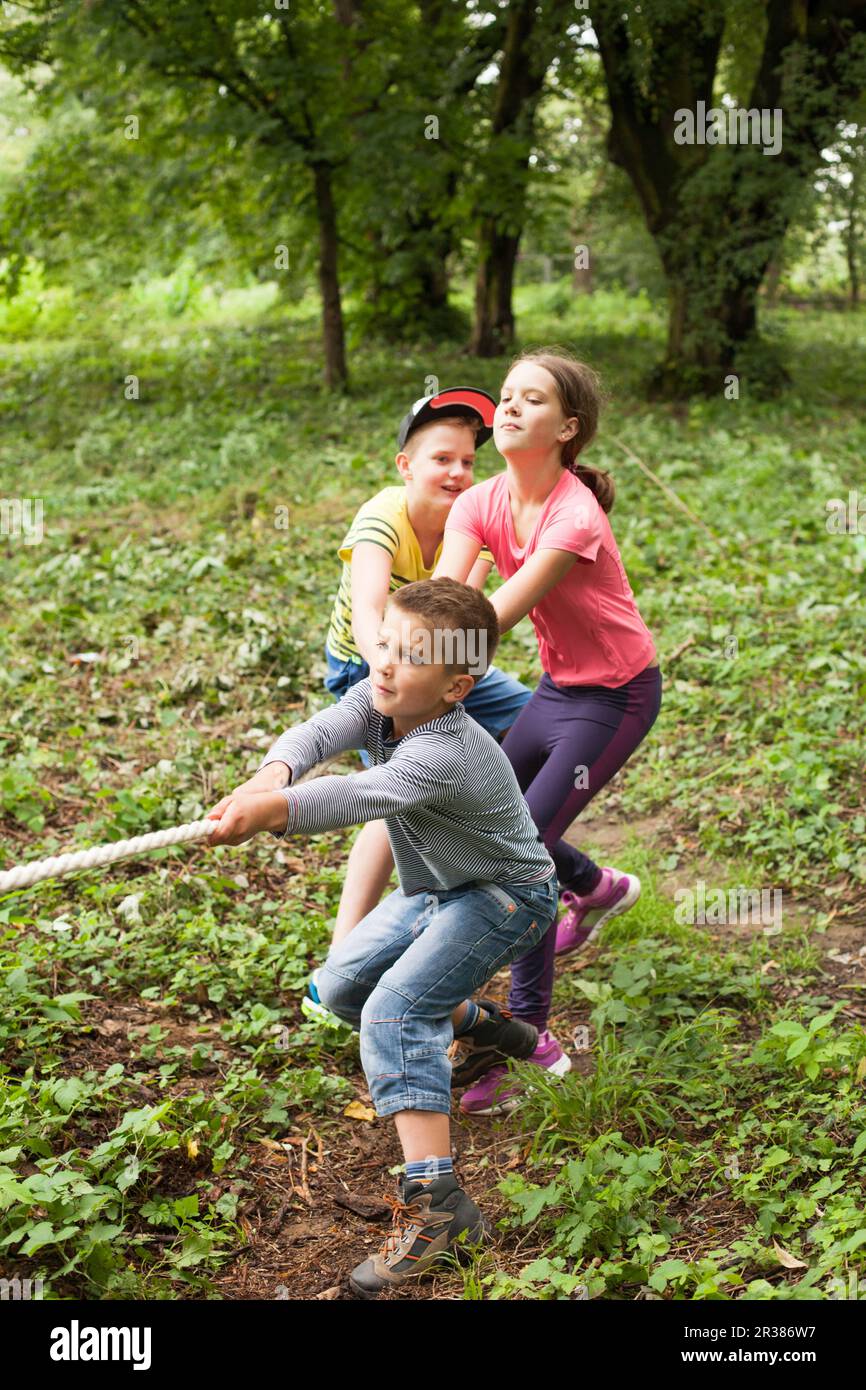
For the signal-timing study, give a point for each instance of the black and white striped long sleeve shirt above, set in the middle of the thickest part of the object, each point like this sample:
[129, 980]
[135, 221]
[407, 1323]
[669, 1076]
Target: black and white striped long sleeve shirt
[447, 793]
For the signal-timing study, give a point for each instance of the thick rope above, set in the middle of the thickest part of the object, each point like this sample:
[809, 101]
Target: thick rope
[24, 875]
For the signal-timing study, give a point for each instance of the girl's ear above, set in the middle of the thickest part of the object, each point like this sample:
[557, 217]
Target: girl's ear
[569, 429]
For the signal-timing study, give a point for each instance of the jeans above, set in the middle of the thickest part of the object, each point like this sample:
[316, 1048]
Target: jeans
[408, 964]
[494, 702]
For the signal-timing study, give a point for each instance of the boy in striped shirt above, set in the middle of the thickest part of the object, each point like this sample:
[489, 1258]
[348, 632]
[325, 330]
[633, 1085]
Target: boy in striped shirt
[477, 890]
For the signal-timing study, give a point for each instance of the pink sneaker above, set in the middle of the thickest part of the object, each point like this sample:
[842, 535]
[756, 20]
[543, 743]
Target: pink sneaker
[496, 1091]
[584, 916]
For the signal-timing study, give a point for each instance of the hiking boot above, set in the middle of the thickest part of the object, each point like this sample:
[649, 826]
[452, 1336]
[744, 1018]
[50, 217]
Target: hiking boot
[491, 1041]
[498, 1091]
[428, 1218]
[586, 915]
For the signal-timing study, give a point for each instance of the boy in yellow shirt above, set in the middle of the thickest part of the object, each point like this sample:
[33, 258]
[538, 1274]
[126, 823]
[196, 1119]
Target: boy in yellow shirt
[396, 539]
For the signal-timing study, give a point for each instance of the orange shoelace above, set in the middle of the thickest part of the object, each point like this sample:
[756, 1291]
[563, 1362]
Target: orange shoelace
[403, 1216]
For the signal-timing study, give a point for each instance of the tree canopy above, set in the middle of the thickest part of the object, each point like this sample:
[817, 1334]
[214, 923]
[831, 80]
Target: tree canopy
[395, 152]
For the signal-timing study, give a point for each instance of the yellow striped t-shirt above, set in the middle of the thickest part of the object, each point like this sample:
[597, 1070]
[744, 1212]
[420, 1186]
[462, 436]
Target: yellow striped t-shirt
[383, 520]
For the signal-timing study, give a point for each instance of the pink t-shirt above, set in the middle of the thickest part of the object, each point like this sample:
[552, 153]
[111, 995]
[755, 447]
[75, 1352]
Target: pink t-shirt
[588, 628]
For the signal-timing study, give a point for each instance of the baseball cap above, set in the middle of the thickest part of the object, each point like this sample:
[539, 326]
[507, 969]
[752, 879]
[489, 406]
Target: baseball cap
[462, 400]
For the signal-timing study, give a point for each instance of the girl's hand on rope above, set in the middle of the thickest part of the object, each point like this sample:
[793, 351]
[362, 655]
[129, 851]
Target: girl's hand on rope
[243, 814]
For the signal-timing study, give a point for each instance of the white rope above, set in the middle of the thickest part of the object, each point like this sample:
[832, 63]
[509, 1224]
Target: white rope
[24, 875]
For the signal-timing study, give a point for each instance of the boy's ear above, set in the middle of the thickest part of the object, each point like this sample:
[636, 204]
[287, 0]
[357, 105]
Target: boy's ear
[460, 686]
[404, 465]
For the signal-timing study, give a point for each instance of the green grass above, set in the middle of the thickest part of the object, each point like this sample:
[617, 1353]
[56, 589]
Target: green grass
[227, 484]
[189, 544]
[723, 1123]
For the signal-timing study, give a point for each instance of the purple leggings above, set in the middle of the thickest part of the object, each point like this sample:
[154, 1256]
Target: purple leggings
[567, 734]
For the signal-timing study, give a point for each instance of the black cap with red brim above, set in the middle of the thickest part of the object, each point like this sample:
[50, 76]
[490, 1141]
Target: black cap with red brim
[462, 400]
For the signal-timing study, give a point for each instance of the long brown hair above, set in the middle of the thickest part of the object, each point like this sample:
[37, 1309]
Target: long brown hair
[579, 391]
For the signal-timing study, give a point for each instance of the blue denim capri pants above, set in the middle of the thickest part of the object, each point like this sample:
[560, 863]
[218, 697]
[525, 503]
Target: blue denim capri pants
[399, 975]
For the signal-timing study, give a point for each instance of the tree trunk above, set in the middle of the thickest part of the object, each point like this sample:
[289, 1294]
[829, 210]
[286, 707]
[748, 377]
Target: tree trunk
[852, 239]
[853, 267]
[531, 37]
[771, 281]
[854, 230]
[336, 374]
[493, 330]
[706, 336]
[718, 210]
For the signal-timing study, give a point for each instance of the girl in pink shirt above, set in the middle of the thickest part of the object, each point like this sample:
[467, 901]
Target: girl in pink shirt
[545, 522]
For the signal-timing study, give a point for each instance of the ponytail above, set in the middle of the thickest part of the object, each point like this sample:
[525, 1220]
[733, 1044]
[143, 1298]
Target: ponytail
[598, 480]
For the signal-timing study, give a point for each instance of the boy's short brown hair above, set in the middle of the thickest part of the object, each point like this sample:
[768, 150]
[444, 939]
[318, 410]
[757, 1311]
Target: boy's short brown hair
[460, 616]
[465, 422]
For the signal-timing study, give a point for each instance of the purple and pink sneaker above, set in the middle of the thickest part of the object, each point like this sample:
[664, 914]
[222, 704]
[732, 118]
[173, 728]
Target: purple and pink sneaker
[496, 1091]
[584, 916]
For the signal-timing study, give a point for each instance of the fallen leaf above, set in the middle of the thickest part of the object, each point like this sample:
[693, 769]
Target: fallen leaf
[109, 1026]
[302, 1230]
[192, 1148]
[355, 1110]
[292, 862]
[788, 1260]
[330, 1293]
